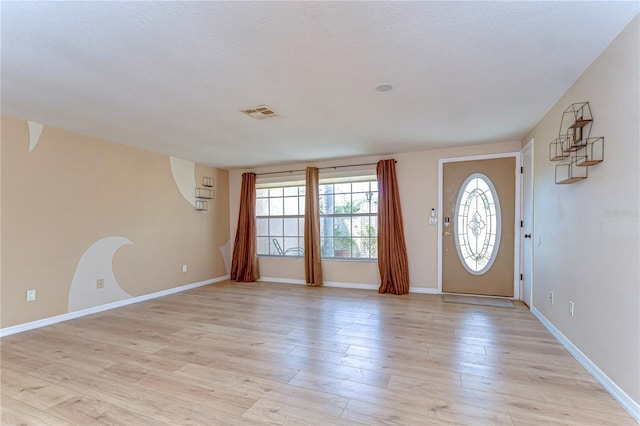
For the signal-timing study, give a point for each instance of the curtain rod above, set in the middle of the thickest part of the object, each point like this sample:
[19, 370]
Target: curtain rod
[320, 168]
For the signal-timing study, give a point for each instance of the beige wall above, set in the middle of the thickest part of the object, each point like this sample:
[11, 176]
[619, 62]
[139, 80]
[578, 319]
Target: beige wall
[589, 231]
[72, 191]
[418, 182]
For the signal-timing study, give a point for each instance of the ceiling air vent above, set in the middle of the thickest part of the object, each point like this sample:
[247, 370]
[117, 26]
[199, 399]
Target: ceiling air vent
[259, 112]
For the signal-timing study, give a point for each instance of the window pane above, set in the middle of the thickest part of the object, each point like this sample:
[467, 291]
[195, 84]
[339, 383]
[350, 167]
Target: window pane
[360, 186]
[326, 204]
[275, 206]
[373, 226]
[275, 192]
[275, 247]
[262, 207]
[301, 206]
[373, 250]
[275, 227]
[262, 227]
[291, 227]
[374, 185]
[374, 202]
[263, 245]
[342, 235]
[356, 250]
[326, 246]
[360, 203]
[291, 190]
[262, 192]
[342, 227]
[340, 249]
[343, 204]
[326, 226]
[291, 206]
[325, 189]
[301, 227]
[291, 247]
[342, 188]
[302, 190]
[360, 226]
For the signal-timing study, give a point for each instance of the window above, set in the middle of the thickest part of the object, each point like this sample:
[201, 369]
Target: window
[349, 219]
[477, 224]
[280, 220]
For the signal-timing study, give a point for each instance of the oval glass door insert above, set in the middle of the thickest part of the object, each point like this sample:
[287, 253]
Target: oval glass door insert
[477, 224]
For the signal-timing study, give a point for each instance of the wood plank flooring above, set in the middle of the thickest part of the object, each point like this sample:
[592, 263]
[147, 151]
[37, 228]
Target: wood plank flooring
[264, 353]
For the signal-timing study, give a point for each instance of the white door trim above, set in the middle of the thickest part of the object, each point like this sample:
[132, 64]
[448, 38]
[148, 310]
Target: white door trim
[528, 145]
[517, 216]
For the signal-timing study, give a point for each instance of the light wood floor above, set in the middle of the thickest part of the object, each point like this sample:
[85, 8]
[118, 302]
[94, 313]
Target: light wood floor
[254, 354]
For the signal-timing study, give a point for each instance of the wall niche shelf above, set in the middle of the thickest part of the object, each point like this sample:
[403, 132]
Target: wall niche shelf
[574, 148]
[204, 193]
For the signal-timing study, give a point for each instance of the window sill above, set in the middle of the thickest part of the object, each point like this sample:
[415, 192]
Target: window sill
[349, 259]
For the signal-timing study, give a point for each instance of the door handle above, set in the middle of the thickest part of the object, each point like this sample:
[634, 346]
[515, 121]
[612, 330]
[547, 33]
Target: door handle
[447, 233]
[527, 235]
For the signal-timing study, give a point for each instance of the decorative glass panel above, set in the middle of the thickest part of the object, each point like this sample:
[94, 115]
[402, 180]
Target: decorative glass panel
[477, 224]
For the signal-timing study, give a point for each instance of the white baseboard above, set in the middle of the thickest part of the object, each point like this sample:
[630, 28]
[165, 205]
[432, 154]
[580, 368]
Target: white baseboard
[423, 290]
[632, 407]
[281, 280]
[7, 331]
[339, 284]
[351, 285]
[326, 283]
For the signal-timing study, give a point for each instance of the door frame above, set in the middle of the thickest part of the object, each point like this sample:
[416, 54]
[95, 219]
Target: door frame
[516, 224]
[529, 145]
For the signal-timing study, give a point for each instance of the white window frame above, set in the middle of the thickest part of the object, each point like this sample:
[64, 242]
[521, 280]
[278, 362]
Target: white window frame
[336, 247]
[280, 245]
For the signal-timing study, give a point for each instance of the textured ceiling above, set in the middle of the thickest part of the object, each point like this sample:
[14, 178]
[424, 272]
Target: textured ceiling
[171, 77]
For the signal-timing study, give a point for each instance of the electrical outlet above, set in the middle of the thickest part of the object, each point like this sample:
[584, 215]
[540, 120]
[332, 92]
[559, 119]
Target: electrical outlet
[551, 297]
[184, 268]
[571, 308]
[100, 283]
[31, 295]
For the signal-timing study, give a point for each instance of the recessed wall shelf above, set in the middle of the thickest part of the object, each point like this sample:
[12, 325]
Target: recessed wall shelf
[209, 182]
[574, 147]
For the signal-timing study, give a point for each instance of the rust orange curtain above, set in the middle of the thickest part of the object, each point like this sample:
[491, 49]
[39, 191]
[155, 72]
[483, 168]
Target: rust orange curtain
[312, 255]
[244, 264]
[392, 250]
